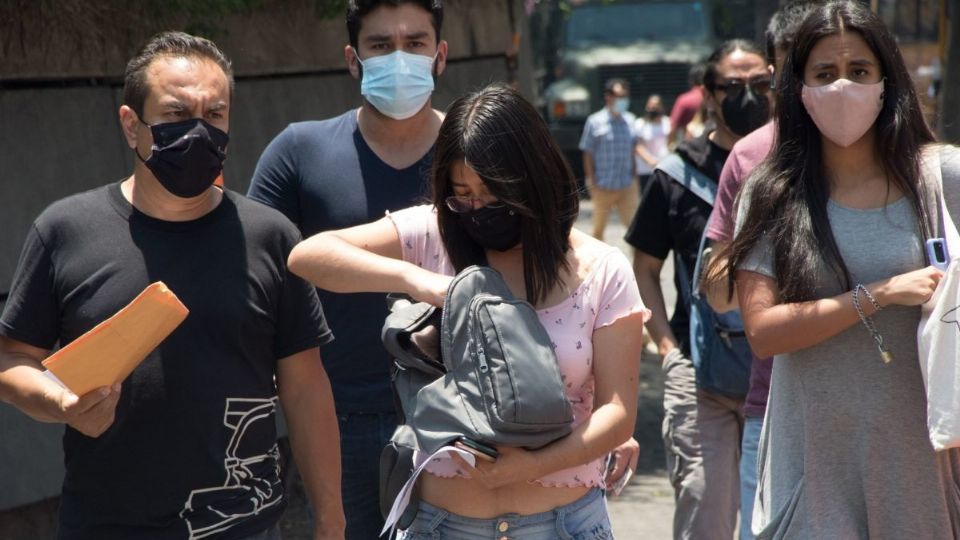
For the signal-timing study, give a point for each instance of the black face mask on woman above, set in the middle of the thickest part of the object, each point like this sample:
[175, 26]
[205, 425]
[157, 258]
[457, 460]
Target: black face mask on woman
[496, 228]
[187, 156]
[745, 112]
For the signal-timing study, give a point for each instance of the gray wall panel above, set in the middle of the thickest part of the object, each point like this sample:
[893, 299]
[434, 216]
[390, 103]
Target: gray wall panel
[53, 142]
[31, 459]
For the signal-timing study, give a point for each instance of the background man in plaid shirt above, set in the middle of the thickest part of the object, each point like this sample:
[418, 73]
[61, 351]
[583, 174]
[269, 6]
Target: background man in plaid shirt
[607, 144]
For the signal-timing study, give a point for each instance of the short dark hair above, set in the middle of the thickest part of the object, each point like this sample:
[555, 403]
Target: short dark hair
[695, 75]
[502, 137]
[358, 9]
[171, 44]
[725, 49]
[611, 84]
[783, 26]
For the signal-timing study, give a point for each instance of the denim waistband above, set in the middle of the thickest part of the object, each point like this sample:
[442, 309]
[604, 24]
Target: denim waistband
[592, 497]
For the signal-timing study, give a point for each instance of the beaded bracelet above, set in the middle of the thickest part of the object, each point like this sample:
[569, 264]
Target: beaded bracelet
[885, 354]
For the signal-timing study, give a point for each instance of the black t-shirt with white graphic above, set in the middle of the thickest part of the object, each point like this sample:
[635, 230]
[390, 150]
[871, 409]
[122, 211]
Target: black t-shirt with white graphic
[192, 452]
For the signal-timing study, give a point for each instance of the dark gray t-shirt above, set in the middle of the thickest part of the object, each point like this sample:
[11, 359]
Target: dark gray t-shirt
[193, 446]
[323, 176]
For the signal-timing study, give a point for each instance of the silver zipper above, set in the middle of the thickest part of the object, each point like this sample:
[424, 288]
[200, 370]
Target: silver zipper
[482, 358]
[476, 304]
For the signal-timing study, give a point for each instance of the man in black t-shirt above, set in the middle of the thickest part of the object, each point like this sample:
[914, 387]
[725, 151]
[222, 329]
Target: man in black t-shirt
[350, 170]
[701, 429]
[186, 446]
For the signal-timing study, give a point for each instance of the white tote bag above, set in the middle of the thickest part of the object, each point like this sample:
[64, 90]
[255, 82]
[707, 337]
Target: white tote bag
[938, 336]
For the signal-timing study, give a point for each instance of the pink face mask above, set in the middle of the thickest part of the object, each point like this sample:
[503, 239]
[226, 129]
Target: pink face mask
[843, 110]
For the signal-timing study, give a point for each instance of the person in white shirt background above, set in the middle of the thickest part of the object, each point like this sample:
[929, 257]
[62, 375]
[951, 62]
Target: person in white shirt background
[651, 131]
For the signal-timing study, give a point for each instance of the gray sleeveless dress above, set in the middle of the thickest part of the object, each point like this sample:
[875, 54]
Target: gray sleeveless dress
[844, 452]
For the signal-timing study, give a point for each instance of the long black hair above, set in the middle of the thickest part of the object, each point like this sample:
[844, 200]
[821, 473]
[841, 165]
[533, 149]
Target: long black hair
[789, 191]
[498, 134]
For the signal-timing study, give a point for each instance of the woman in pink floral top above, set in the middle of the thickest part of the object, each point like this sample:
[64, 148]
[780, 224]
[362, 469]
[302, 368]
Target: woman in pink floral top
[504, 197]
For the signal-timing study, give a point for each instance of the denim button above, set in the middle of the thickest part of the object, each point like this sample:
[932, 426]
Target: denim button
[503, 526]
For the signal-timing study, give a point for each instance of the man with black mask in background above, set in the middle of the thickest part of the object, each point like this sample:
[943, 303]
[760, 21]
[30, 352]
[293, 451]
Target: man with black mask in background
[350, 170]
[701, 429]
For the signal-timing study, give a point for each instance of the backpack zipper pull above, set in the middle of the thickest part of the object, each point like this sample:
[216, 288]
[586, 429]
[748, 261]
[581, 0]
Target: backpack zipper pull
[482, 359]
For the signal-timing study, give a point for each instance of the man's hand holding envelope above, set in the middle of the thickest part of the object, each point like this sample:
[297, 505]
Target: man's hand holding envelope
[92, 367]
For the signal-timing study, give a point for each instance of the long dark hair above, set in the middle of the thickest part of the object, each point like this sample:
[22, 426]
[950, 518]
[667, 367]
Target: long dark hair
[498, 134]
[789, 192]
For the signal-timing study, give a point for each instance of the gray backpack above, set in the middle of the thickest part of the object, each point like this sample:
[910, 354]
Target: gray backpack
[495, 378]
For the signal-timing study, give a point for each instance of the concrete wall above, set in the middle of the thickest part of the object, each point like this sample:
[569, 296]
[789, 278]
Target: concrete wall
[43, 40]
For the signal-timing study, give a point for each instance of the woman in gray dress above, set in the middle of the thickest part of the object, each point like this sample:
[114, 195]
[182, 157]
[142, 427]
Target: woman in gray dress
[832, 219]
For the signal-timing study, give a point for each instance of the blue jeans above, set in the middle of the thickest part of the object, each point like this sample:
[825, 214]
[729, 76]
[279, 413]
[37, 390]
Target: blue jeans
[748, 472]
[362, 438]
[583, 519]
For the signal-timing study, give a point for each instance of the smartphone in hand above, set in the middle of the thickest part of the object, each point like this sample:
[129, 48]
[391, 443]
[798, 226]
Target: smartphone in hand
[476, 448]
[617, 486]
[937, 253]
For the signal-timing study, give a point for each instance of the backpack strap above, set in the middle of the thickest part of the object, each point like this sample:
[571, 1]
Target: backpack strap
[688, 176]
[693, 180]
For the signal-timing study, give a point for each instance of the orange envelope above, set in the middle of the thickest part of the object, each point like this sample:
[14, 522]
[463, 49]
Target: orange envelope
[111, 350]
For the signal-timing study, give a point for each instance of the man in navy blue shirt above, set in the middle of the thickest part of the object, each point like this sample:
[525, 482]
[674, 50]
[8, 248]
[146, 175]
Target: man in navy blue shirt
[349, 170]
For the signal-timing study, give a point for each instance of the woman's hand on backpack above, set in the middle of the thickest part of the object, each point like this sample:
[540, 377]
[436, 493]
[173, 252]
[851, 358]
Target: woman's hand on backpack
[426, 286]
[909, 289]
[513, 465]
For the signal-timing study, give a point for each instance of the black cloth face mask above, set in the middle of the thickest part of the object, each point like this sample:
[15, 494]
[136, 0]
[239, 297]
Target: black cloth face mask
[496, 228]
[187, 156]
[745, 112]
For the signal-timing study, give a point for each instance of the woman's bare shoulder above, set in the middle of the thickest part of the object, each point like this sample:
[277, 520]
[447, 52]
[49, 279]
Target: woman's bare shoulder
[586, 253]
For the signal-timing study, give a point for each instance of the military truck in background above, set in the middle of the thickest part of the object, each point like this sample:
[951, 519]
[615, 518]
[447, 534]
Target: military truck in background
[650, 43]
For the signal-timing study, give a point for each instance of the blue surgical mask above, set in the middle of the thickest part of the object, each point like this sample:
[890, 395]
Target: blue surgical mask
[397, 84]
[621, 105]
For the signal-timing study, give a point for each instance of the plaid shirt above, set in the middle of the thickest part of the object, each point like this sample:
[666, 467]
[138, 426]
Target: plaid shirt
[610, 140]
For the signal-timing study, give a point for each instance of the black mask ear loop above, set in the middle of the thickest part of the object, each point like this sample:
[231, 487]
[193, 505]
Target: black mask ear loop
[135, 150]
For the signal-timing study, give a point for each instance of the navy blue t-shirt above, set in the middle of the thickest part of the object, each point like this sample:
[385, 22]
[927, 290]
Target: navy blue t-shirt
[324, 176]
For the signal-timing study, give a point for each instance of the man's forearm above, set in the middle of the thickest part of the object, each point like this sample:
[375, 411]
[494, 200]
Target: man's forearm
[658, 325]
[23, 385]
[315, 441]
[588, 167]
[28, 390]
